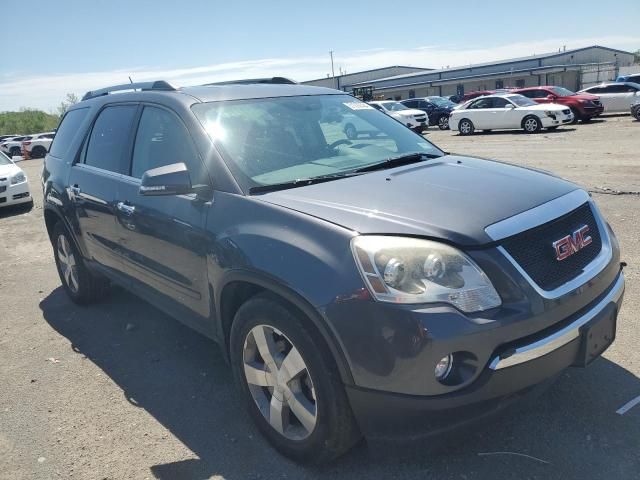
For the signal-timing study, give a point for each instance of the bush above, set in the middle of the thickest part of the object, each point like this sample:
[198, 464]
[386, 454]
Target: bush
[27, 121]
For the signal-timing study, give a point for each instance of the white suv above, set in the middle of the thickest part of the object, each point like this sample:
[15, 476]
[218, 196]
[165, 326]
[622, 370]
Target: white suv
[38, 145]
[12, 147]
[416, 120]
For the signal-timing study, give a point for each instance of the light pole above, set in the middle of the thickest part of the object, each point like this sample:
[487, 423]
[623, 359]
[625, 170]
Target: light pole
[333, 73]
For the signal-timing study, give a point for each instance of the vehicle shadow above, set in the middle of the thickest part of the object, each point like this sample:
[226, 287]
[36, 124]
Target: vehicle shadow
[14, 210]
[182, 380]
[559, 131]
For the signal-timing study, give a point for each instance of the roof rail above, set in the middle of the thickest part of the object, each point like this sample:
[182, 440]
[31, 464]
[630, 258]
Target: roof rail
[156, 85]
[249, 81]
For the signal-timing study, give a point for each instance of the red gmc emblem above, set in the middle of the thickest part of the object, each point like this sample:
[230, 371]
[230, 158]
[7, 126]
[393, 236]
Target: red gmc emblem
[567, 246]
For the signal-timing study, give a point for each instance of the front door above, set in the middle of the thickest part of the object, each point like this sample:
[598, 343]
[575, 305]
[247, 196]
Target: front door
[94, 181]
[162, 238]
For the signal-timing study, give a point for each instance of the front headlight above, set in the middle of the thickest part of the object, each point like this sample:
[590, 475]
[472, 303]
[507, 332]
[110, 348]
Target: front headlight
[550, 113]
[409, 270]
[18, 178]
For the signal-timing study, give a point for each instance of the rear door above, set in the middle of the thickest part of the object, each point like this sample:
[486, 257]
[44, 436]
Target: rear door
[94, 181]
[162, 238]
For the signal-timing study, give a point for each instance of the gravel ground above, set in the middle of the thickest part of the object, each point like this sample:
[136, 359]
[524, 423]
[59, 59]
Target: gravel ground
[120, 390]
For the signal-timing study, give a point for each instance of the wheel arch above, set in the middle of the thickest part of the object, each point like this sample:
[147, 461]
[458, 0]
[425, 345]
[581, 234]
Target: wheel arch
[240, 286]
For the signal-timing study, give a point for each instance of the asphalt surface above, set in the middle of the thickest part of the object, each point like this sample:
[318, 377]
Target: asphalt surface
[120, 390]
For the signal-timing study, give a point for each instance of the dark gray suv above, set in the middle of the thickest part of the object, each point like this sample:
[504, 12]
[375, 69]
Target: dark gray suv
[374, 286]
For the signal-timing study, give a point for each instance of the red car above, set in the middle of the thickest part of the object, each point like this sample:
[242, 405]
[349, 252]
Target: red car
[583, 105]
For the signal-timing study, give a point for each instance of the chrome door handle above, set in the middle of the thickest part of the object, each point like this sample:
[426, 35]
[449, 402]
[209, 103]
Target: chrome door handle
[126, 209]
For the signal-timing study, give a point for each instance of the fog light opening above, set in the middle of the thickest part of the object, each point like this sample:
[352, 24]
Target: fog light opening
[443, 367]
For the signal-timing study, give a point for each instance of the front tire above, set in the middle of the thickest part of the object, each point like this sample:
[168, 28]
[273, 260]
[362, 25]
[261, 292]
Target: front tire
[82, 286]
[290, 383]
[15, 152]
[443, 122]
[466, 127]
[531, 124]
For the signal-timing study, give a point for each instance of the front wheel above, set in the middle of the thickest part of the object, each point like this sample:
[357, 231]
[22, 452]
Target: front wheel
[465, 127]
[443, 122]
[637, 114]
[82, 286]
[290, 383]
[531, 124]
[15, 152]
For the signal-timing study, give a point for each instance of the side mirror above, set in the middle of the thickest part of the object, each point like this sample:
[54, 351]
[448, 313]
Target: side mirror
[509, 106]
[171, 179]
[551, 98]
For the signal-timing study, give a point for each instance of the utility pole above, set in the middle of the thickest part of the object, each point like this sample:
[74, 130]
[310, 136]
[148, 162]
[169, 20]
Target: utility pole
[333, 74]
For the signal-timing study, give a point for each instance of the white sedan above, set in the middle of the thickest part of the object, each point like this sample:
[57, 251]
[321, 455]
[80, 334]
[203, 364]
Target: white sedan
[616, 97]
[508, 111]
[14, 187]
[416, 120]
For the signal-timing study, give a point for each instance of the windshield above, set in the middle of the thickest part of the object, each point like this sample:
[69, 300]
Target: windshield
[522, 101]
[394, 106]
[562, 92]
[4, 160]
[271, 141]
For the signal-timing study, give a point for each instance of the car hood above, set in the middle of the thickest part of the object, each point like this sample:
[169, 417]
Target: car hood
[409, 113]
[546, 107]
[583, 96]
[9, 170]
[451, 198]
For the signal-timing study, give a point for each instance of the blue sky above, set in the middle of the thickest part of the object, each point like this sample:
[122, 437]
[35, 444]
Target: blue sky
[88, 44]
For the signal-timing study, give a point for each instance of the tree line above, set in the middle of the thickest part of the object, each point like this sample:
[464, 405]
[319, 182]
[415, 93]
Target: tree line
[29, 120]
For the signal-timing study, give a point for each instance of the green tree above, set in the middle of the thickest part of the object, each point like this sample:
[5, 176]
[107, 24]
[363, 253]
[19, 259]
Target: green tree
[70, 99]
[27, 121]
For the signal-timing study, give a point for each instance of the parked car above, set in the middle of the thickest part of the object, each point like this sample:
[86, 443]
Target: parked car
[616, 97]
[14, 187]
[508, 111]
[13, 146]
[381, 288]
[38, 145]
[635, 110]
[482, 93]
[584, 106]
[436, 108]
[454, 98]
[7, 137]
[416, 120]
[634, 77]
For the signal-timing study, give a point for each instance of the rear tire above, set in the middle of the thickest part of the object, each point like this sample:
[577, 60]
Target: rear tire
[465, 127]
[443, 122]
[38, 152]
[82, 286]
[313, 422]
[531, 124]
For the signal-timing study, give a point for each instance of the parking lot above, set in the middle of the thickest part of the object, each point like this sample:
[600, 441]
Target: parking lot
[120, 390]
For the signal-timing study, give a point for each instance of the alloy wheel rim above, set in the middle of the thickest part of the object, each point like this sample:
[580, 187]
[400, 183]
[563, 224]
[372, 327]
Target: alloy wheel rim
[531, 125]
[444, 121]
[67, 263]
[279, 382]
[465, 127]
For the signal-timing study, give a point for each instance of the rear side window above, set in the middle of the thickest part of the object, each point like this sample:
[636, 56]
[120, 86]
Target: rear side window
[109, 138]
[161, 140]
[67, 131]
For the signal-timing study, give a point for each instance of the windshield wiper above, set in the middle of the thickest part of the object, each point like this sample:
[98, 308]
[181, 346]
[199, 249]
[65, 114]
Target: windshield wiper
[391, 162]
[301, 182]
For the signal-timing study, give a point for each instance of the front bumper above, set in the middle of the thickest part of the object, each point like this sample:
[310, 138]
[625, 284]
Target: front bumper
[560, 119]
[14, 194]
[515, 370]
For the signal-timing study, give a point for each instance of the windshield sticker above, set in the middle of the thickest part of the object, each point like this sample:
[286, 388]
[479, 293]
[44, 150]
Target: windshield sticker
[358, 106]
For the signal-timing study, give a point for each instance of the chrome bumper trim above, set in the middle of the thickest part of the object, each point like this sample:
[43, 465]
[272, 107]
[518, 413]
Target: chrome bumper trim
[562, 336]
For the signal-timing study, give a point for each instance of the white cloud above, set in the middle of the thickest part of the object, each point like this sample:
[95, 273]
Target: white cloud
[46, 91]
